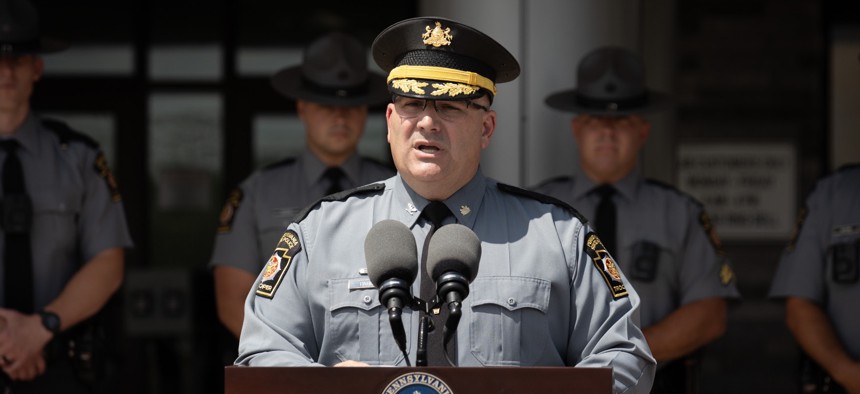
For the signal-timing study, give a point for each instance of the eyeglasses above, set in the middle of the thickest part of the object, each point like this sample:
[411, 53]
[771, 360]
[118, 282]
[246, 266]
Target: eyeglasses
[451, 110]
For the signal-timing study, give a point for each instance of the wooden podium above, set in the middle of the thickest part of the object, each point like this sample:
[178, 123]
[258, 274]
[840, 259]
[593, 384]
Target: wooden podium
[373, 380]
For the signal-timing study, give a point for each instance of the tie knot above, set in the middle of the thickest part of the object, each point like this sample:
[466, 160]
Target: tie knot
[9, 145]
[334, 176]
[333, 173]
[436, 212]
[605, 191]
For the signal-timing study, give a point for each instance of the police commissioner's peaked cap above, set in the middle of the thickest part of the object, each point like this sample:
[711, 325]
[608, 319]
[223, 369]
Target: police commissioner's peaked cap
[437, 58]
[610, 81]
[20, 33]
[333, 72]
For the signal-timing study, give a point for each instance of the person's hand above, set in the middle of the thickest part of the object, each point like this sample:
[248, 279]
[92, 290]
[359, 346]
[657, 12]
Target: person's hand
[24, 369]
[21, 344]
[351, 363]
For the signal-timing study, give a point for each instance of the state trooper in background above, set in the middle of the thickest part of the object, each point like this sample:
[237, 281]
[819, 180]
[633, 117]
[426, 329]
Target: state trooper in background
[546, 292]
[332, 88]
[62, 229]
[819, 280]
[663, 238]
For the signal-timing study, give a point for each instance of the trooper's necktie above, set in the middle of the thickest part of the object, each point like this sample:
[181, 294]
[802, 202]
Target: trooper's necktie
[436, 212]
[16, 220]
[335, 176]
[605, 218]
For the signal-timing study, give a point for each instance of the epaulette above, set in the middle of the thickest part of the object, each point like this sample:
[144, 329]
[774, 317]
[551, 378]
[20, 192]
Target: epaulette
[66, 134]
[542, 198]
[340, 196]
[280, 163]
[664, 185]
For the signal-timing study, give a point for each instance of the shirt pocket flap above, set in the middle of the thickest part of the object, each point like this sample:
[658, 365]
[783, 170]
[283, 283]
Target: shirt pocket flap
[512, 293]
[353, 293]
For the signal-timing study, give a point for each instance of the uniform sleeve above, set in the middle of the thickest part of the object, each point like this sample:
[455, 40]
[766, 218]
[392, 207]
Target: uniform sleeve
[705, 271]
[801, 268]
[102, 224]
[278, 329]
[236, 237]
[606, 330]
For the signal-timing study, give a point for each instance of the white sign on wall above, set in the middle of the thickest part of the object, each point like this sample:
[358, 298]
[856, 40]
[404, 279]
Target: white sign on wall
[749, 189]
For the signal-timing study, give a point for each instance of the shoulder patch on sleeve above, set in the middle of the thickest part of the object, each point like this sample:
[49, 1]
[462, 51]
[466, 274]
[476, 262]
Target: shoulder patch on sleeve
[798, 225]
[605, 265]
[341, 196]
[104, 171]
[279, 264]
[705, 220]
[727, 274]
[225, 220]
[542, 198]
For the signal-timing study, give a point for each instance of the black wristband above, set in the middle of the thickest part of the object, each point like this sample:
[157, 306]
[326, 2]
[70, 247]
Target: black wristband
[51, 321]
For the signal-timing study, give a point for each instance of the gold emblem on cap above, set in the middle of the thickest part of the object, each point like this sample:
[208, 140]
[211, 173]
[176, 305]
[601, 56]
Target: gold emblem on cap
[453, 89]
[407, 85]
[464, 210]
[436, 36]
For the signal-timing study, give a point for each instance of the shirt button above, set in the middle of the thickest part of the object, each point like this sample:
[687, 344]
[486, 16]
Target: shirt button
[367, 299]
[512, 301]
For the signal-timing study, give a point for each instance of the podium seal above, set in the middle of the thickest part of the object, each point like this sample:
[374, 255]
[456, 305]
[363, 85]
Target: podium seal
[417, 383]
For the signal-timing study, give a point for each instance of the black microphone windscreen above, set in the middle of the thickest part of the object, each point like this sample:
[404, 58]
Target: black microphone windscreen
[454, 247]
[390, 252]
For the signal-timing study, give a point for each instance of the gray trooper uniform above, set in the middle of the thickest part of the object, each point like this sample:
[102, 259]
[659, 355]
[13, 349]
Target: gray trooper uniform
[77, 210]
[257, 212]
[546, 292]
[665, 242]
[77, 213]
[822, 263]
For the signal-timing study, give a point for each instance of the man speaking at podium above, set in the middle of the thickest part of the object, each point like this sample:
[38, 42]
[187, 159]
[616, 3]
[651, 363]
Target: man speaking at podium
[546, 292]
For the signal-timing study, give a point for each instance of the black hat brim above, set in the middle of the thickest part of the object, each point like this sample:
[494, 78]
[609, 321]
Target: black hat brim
[43, 46]
[50, 45]
[568, 101]
[288, 82]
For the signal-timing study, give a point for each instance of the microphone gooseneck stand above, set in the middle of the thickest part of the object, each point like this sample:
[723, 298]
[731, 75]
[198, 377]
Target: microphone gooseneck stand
[425, 326]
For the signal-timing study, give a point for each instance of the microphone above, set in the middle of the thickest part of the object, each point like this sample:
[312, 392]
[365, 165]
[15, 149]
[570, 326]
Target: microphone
[453, 257]
[392, 265]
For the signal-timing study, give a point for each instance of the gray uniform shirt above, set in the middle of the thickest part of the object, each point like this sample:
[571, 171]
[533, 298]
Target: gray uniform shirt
[257, 213]
[662, 243]
[76, 208]
[538, 299]
[822, 263]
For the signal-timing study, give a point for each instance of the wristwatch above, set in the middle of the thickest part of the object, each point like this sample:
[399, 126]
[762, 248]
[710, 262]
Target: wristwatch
[51, 321]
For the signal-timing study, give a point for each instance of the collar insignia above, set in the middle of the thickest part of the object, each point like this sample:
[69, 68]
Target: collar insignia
[411, 208]
[465, 210]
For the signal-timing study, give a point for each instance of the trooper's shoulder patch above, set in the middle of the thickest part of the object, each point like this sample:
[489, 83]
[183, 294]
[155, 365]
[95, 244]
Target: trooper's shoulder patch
[605, 265]
[104, 171]
[711, 231]
[225, 220]
[727, 274]
[798, 225]
[279, 264]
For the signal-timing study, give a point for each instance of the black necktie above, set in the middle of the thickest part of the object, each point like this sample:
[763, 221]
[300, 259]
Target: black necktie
[605, 217]
[436, 212]
[16, 221]
[334, 176]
